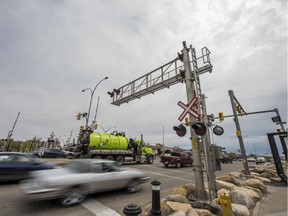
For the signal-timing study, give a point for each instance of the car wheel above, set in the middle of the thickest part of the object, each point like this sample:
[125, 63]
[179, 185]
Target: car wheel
[70, 157]
[178, 164]
[120, 159]
[150, 159]
[73, 196]
[133, 187]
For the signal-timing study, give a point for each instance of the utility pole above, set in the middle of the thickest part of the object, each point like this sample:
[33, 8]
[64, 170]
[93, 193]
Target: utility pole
[10, 133]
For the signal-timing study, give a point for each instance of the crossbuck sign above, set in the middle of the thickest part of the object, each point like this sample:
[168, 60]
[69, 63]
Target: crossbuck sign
[188, 109]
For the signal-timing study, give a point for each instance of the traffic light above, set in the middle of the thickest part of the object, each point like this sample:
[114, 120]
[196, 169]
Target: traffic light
[180, 130]
[221, 116]
[78, 116]
[199, 128]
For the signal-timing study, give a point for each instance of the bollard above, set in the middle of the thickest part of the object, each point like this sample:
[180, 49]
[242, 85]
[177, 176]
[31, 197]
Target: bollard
[132, 210]
[225, 202]
[156, 209]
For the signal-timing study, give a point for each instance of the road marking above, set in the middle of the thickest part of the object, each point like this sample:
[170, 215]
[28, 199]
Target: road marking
[188, 180]
[98, 209]
[162, 169]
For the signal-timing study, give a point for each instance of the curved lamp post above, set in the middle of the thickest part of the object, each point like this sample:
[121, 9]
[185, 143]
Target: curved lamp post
[92, 93]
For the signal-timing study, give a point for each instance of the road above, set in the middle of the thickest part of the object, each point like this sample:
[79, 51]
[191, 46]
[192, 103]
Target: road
[12, 202]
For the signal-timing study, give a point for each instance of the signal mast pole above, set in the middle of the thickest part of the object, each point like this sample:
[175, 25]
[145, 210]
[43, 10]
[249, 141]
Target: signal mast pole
[190, 90]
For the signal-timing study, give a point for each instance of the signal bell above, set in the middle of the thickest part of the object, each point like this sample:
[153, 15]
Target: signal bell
[199, 128]
[180, 130]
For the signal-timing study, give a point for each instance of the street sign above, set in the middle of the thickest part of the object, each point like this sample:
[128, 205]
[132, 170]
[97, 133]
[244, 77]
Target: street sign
[188, 109]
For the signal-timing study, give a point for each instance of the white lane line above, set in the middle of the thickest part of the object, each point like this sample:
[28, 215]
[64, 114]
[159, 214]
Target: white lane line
[188, 180]
[98, 209]
[165, 168]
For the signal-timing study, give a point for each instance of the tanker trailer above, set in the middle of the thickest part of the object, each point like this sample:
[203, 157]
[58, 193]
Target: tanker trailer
[117, 147]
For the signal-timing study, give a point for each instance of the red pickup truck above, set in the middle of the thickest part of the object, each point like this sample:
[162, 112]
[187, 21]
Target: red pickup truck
[177, 159]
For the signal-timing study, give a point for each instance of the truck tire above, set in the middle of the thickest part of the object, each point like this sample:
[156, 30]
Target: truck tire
[110, 157]
[120, 159]
[178, 164]
[96, 156]
[150, 159]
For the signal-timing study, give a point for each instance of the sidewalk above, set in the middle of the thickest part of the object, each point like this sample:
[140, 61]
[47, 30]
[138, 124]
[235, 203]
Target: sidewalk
[274, 203]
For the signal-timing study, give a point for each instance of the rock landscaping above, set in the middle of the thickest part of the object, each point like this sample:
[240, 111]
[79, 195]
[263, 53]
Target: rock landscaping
[244, 191]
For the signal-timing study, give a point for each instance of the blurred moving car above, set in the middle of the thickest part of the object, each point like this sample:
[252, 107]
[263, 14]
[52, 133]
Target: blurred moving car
[55, 153]
[16, 166]
[79, 178]
[260, 160]
[251, 159]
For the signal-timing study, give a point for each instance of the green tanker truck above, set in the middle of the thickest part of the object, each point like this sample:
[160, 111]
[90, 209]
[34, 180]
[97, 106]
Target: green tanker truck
[116, 147]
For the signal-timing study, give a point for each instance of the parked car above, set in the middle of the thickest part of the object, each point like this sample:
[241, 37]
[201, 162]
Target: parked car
[16, 166]
[260, 160]
[251, 159]
[177, 159]
[79, 178]
[55, 153]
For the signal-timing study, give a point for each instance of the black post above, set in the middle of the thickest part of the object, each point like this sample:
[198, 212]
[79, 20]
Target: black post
[132, 210]
[156, 209]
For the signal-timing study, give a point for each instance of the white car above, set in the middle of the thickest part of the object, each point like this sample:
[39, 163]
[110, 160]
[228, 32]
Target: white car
[79, 178]
[260, 160]
[251, 159]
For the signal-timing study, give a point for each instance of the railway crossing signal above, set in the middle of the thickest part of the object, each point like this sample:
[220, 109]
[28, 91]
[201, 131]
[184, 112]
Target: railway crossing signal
[165, 76]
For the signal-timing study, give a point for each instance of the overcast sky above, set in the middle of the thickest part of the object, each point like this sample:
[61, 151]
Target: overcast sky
[51, 50]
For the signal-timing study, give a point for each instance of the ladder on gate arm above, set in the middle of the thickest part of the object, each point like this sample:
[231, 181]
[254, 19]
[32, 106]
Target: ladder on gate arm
[177, 71]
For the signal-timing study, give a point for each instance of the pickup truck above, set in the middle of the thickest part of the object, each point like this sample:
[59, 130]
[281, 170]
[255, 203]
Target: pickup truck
[177, 159]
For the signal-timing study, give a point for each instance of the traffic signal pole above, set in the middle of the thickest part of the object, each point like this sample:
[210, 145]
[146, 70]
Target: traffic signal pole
[197, 163]
[239, 134]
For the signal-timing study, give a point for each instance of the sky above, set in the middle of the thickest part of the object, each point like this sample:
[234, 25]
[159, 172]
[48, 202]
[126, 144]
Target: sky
[52, 50]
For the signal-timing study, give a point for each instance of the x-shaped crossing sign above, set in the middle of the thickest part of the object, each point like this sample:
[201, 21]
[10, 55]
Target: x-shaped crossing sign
[188, 109]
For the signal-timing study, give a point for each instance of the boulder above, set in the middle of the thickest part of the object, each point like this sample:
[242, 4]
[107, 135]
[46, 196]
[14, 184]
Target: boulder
[236, 174]
[230, 179]
[176, 198]
[192, 212]
[240, 197]
[250, 192]
[256, 183]
[240, 210]
[204, 212]
[176, 206]
[180, 191]
[166, 210]
[178, 213]
[222, 184]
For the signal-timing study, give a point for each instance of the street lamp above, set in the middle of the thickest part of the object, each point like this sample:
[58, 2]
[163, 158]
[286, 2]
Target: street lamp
[92, 93]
